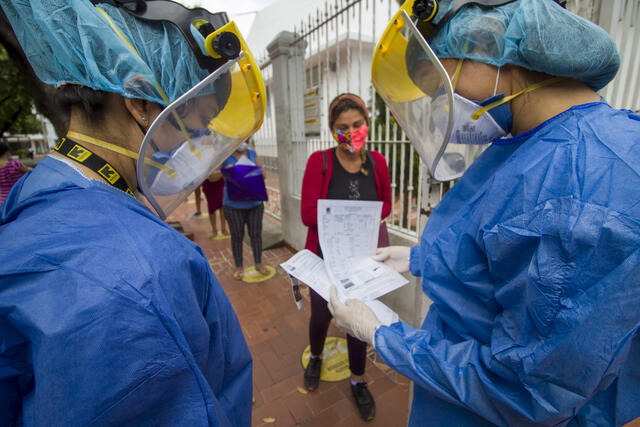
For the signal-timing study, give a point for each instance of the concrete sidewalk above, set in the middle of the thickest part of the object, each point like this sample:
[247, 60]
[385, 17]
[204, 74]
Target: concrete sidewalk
[277, 334]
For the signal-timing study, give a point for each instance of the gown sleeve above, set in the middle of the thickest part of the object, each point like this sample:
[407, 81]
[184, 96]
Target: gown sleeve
[565, 276]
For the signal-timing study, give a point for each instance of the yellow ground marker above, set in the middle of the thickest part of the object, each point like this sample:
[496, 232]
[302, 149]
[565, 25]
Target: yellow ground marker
[220, 237]
[335, 360]
[251, 275]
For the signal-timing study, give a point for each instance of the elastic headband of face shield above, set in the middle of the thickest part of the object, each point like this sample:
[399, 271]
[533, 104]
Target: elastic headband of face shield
[225, 45]
[425, 13]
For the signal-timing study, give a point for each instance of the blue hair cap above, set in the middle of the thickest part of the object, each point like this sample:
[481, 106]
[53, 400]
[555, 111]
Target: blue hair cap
[72, 41]
[538, 35]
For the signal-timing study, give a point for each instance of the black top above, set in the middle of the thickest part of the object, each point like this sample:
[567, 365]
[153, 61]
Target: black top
[345, 185]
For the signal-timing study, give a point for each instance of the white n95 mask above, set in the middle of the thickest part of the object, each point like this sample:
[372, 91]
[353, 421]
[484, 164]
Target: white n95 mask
[186, 166]
[465, 129]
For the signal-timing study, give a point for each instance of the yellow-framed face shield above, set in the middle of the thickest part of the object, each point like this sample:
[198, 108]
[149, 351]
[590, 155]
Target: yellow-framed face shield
[193, 136]
[415, 87]
[419, 92]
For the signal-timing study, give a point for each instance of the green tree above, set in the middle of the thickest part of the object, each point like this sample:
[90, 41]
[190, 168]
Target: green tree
[16, 104]
[42, 94]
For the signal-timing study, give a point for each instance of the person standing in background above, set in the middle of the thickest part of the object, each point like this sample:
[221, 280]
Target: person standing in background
[244, 212]
[346, 172]
[10, 171]
[197, 194]
[213, 188]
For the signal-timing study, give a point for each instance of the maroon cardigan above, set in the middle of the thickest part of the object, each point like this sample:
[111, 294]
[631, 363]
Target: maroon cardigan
[316, 186]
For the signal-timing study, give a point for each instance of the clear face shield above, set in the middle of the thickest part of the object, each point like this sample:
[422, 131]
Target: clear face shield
[193, 136]
[419, 93]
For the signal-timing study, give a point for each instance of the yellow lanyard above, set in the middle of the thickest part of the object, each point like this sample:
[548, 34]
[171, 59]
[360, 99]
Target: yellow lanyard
[120, 150]
[476, 115]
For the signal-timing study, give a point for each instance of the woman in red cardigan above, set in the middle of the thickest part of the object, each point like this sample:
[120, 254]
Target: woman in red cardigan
[348, 172]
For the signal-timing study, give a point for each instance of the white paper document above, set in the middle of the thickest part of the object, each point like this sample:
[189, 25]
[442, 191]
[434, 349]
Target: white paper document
[309, 268]
[348, 232]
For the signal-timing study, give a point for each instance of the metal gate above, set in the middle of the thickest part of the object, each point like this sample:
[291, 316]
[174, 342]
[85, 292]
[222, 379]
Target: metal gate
[338, 41]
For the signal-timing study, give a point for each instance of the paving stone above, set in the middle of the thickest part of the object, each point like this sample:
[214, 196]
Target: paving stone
[297, 405]
[277, 410]
[280, 390]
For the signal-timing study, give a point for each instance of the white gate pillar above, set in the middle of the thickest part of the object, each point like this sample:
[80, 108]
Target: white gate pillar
[287, 60]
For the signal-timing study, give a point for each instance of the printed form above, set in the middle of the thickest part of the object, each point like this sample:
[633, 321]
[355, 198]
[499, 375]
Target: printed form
[348, 232]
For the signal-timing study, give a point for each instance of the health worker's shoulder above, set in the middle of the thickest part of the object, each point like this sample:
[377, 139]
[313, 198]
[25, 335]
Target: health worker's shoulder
[112, 223]
[585, 153]
[593, 124]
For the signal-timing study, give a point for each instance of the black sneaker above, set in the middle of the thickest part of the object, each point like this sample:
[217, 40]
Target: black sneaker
[364, 400]
[312, 374]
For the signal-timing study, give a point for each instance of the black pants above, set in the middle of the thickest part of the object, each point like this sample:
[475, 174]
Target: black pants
[318, 326]
[237, 218]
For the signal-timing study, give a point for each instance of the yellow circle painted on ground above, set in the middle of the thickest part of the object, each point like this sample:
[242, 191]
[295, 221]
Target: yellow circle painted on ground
[335, 359]
[220, 237]
[251, 275]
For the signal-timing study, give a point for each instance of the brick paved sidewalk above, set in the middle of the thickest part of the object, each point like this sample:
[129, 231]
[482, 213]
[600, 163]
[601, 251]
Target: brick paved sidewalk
[277, 333]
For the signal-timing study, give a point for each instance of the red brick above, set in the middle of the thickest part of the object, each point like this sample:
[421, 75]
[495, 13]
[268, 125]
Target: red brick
[257, 398]
[318, 402]
[297, 404]
[381, 385]
[331, 416]
[261, 378]
[392, 410]
[258, 349]
[293, 358]
[354, 419]
[286, 372]
[270, 361]
[279, 390]
[262, 336]
[276, 410]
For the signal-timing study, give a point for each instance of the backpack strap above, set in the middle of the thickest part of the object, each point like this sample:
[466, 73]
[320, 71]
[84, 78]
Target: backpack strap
[370, 157]
[324, 163]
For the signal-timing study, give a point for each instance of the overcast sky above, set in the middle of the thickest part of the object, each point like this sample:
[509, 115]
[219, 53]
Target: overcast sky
[240, 11]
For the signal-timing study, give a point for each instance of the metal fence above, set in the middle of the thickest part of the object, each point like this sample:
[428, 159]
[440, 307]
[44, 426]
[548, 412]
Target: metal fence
[339, 40]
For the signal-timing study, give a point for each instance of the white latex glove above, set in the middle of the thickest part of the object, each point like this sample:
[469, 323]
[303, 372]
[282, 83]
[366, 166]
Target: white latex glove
[396, 257]
[354, 317]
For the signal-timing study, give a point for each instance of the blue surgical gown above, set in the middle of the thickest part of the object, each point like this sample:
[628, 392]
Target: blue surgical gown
[108, 316]
[532, 262]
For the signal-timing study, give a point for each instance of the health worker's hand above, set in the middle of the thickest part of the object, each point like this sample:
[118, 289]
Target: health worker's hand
[396, 257]
[354, 317]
